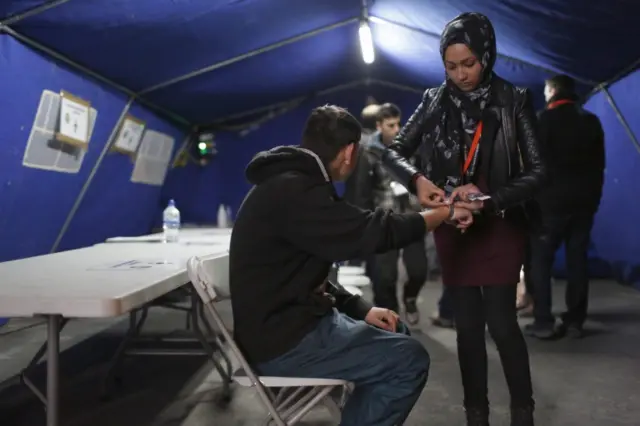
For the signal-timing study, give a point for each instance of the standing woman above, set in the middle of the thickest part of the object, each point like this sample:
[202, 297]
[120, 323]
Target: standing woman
[476, 134]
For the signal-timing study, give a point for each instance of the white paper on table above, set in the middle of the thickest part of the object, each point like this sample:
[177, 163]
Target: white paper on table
[136, 265]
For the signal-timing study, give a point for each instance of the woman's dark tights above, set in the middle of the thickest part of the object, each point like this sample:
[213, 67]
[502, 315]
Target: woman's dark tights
[495, 306]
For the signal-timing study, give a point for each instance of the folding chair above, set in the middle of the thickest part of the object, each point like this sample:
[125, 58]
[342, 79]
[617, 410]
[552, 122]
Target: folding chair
[287, 399]
[353, 290]
[352, 276]
[351, 270]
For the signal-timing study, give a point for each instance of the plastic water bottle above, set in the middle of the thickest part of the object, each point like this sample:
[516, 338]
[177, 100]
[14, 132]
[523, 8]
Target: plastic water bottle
[171, 222]
[229, 217]
[223, 219]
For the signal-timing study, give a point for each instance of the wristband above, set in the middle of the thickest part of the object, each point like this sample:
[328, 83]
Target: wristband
[452, 212]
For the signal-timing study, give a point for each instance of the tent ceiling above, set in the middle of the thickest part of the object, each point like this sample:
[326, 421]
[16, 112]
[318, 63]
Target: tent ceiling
[206, 59]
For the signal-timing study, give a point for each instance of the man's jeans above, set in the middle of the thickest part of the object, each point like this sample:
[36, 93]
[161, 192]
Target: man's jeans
[388, 369]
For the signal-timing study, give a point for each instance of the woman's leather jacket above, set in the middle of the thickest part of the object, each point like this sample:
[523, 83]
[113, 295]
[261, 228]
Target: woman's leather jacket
[516, 168]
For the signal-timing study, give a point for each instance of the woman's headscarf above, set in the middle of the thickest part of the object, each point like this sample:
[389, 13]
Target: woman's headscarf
[461, 111]
[476, 32]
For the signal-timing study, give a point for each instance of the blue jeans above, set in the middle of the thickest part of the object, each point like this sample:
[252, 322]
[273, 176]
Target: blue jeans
[389, 370]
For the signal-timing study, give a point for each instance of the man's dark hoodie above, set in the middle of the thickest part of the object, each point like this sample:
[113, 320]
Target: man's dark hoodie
[289, 230]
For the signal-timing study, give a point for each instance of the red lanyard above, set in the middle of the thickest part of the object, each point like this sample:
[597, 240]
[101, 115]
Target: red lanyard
[474, 147]
[556, 104]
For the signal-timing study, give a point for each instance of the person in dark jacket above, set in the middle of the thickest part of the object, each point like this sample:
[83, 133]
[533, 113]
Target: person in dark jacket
[288, 319]
[375, 187]
[573, 142]
[368, 119]
[477, 135]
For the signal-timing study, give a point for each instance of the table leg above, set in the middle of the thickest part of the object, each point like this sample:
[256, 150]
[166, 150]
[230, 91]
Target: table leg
[53, 370]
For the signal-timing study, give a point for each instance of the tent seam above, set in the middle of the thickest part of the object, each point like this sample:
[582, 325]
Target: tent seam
[247, 55]
[172, 116]
[29, 13]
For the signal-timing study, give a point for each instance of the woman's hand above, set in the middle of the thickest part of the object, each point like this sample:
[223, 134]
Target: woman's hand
[462, 193]
[429, 195]
[463, 218]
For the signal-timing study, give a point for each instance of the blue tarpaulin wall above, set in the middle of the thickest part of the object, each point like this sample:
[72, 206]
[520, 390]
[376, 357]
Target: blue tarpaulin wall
[208, 62]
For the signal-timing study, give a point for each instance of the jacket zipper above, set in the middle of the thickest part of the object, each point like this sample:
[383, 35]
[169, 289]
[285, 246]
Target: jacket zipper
[506, 134]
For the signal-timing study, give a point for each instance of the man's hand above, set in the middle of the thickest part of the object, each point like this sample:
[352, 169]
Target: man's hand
[382, 318]
[428, 194]
[462, 193]
[462, 217]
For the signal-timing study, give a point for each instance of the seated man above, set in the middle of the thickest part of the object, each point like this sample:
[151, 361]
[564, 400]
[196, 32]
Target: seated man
[291, 227]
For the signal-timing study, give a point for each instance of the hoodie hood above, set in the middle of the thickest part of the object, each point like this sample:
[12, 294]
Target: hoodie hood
[285, 159]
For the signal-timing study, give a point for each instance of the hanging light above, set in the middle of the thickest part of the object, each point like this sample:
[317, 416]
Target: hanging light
[366, 42]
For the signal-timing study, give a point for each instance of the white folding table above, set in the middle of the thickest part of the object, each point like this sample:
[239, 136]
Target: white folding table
[187, 236]
[105, 280]
[209, 339]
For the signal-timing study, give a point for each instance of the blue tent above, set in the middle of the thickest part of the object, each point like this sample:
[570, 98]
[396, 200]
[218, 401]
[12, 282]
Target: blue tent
[251, 70]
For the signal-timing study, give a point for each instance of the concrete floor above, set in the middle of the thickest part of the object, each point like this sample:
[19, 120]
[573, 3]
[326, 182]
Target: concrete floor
[591, 382]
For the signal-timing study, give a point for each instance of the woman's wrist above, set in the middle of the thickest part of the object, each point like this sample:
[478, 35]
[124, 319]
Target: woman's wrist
[415, 178]
[452, 212]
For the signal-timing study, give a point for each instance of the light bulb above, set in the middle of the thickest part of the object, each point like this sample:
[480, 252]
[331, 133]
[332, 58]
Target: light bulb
[366, 43]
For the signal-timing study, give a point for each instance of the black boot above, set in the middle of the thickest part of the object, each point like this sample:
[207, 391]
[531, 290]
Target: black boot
[522, 416]
[477, 416]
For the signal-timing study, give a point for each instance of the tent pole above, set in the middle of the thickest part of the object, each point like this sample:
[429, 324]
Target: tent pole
[283, 104]
[378, 20]
[92, 174]
[32, 12]
[364, 10]
[34, 44]
[300, 99]
[184, 146]
[339, 88]
[615, 78]
[621, 118]
[247, 55]
[258, 110]
[395, 85]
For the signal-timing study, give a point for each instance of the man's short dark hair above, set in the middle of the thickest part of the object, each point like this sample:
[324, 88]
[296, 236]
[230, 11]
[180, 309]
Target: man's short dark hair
[328, 129]
[562, 84]
[369, 117]
[387, 111]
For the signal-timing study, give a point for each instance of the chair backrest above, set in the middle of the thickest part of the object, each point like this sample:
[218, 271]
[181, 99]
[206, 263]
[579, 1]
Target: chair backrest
[210, 276]
[203, 272]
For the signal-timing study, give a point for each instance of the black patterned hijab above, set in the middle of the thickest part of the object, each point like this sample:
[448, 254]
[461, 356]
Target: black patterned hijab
[476, 32]
[461, 111]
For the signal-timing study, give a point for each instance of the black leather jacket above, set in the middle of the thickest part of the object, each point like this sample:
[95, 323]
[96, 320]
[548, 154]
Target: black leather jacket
[516, 169]
[373, 181]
